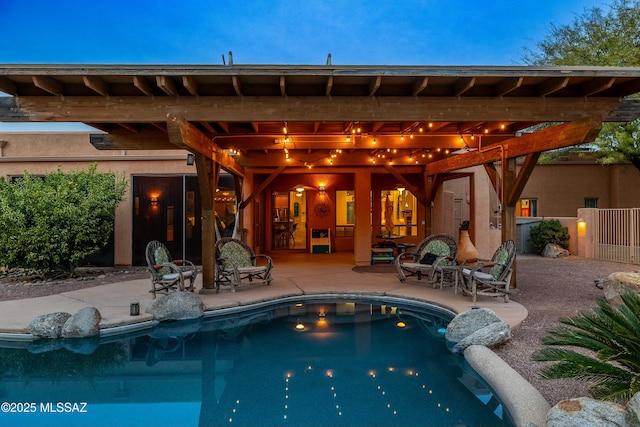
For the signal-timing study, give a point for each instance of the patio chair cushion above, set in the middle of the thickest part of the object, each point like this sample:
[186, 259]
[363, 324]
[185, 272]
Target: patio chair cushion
[481, 275]
[161, 257]
[236, 255]
[435, 248]
[500, 261]
[174, 276]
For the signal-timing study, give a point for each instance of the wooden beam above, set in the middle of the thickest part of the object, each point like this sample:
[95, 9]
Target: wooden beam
[143, 141]
[167, 85]
[492, 173]
[552, 85]
[191, 84]
[208, 175]
[185, 135]
[283, 86]
[595, 86]
[96, 84]
[420, 196]
[8, 86]
[374, 85]
[139, 109]
[559, 136]
[130, 127]
[328, 86]
[463, 86]
[48, 84]
[143, 86]
[523, 176]
[508, 85]
[237, 85]
[419, 85]
[262, 186]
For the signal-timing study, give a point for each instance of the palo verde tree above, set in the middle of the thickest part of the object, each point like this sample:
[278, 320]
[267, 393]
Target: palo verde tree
[599, 38]
[52, 223]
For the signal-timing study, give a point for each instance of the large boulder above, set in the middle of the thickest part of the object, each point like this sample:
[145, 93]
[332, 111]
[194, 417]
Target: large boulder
[551, 250]
[48, 325]
[84, 323]
[176, 306]
[633, 411]
[616, 283]
[476, 327]
[586, 412]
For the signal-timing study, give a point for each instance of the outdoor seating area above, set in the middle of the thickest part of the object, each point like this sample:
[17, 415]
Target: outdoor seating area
[168, 275]
[436, 259]
[235, 262]
[434, 250]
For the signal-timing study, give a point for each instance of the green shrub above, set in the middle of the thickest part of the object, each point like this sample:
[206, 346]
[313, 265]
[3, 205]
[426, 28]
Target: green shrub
[52, 224]
[611, 335]
[550, 231]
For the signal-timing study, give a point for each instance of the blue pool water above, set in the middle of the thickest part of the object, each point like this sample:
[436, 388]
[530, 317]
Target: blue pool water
[317, 363]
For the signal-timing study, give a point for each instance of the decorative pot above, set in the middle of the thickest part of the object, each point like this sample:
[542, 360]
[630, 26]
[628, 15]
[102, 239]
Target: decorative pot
[466, 250]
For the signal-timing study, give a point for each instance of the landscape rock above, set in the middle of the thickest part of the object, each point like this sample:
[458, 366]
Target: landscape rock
[616, 283]
[586, 412]
[480, 326]
[176, 306]
[490, 336]
[633, 411]
[48, 325]
[84, 323]
[551, 250]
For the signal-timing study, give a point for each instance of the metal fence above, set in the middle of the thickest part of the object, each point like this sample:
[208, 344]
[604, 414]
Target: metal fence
[617, 235]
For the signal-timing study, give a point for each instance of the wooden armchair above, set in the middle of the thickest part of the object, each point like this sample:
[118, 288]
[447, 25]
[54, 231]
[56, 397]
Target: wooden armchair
[490, 277]
[437, 249]
[168, 275]
[235, 261]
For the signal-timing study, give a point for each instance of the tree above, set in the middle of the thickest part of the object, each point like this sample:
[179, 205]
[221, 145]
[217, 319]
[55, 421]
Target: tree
[611, 335]
[51, 224]
[599, 39]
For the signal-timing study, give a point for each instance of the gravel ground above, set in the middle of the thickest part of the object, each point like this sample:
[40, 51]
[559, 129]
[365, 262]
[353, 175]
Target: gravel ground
[548, 288]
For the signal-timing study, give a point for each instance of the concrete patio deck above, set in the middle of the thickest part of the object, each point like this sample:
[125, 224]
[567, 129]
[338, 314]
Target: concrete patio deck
[294, 274]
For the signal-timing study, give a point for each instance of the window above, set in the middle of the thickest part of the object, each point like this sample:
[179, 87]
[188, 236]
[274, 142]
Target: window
[591, 202]
[345, 213]
[399, 213]
[527, 207]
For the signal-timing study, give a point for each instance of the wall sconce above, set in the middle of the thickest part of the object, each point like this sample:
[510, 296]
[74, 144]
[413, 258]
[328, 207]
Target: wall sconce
[322, 190]
[190, 159]
[154, 200]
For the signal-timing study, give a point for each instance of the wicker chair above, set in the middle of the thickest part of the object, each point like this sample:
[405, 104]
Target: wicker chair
[490, 277]
[437, 249]
[168, 275]
[235, 261]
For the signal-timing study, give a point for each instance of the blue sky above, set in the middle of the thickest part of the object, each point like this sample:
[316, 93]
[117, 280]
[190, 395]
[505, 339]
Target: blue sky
[355, 32]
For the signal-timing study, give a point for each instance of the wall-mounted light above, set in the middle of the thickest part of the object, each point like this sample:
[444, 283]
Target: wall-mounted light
[190, 159]
[322, 190]
[154, 200]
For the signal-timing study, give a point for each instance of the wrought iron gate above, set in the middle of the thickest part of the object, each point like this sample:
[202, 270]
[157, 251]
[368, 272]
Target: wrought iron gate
[617, 235]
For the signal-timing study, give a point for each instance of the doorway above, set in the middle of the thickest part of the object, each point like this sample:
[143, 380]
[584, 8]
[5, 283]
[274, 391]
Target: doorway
[289, 220]
[167, 208]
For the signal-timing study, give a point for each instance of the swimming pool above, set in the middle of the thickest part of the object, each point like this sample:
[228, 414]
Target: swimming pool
[312, 363]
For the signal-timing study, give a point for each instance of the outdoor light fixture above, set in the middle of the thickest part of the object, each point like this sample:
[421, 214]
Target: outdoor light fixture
[322, 190]
[190, 159]
[154, 200]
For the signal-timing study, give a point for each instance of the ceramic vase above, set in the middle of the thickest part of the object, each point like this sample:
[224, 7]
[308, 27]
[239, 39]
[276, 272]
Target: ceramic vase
[466, 249]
